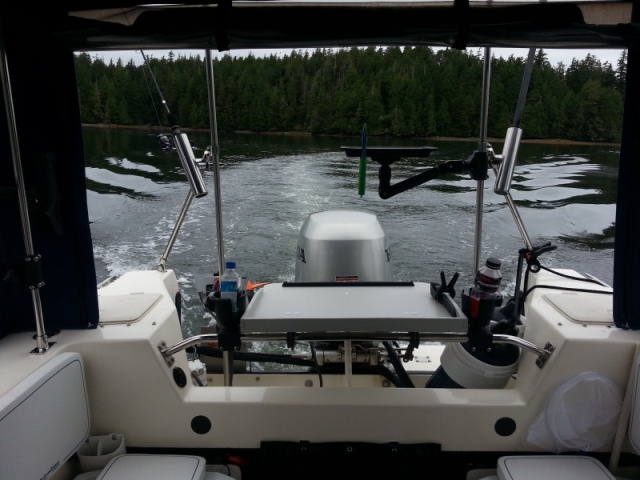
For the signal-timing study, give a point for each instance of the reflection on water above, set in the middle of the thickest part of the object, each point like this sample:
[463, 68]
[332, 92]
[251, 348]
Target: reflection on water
[565, 195]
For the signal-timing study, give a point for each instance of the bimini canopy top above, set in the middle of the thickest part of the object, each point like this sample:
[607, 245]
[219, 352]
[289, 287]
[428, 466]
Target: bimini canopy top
[229, 25]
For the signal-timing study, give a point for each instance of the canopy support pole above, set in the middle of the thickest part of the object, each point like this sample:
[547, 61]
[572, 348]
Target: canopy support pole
[484, 115]
[215, 154]
[42, 343]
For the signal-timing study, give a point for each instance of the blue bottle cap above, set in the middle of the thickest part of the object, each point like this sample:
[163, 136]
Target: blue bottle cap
[229, 265]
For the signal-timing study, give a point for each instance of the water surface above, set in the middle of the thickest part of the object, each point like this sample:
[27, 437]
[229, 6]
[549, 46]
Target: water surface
[565, 194]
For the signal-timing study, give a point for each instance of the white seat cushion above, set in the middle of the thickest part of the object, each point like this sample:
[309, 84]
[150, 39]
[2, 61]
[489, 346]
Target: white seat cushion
[154, 467]
[217, 476]
[545, 467]
[44, 419]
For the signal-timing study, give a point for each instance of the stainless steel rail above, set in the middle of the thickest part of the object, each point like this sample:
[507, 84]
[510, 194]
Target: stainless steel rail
[543, 353]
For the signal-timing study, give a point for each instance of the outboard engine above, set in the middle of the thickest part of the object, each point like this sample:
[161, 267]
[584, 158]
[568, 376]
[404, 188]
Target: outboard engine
[343, 246]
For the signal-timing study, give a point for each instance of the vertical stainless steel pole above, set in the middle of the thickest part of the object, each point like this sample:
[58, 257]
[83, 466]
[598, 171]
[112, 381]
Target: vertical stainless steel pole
[227, 368]
[215, 154]
[42, 343]
[484, 117]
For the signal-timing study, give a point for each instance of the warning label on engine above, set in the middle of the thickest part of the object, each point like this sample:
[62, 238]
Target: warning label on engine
[347, 278]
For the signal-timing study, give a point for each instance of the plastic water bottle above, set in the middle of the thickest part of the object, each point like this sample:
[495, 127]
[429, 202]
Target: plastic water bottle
[484, 296]
[488, 280]
[230, 284]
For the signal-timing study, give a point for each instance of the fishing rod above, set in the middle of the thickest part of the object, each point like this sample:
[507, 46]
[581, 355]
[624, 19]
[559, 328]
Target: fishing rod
[153, 77]
[181, 144]
[187, 158]
[504, 174]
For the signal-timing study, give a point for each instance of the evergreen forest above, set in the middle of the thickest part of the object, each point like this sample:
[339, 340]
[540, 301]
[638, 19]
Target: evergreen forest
[401, 92]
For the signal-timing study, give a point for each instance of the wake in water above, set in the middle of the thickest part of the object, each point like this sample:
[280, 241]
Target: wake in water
[268, 192]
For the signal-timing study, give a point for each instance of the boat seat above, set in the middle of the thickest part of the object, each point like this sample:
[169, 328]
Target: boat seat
[571, 466]
[44, 420]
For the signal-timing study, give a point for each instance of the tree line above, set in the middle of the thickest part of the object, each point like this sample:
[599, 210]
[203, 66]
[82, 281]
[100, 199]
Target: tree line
[402, 92]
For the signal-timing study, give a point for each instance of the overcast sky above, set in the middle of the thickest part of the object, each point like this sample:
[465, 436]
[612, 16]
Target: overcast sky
[554, 56]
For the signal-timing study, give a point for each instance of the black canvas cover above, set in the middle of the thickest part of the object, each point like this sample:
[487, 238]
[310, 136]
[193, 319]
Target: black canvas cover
[45, 99]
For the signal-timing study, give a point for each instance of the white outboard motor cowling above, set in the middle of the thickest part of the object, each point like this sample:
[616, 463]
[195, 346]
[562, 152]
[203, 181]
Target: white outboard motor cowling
[343, 246]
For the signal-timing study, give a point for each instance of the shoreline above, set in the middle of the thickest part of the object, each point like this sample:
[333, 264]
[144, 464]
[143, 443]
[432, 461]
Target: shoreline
[551, 141]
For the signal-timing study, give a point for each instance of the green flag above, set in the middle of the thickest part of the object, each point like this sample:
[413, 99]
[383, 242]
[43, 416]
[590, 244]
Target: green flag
[362, 177]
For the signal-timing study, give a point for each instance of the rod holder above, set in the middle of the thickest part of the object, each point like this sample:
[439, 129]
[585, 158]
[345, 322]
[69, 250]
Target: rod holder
[188, 159]
[509, 155]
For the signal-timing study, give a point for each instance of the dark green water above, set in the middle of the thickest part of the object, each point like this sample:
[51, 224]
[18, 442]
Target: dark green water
[564, 194]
